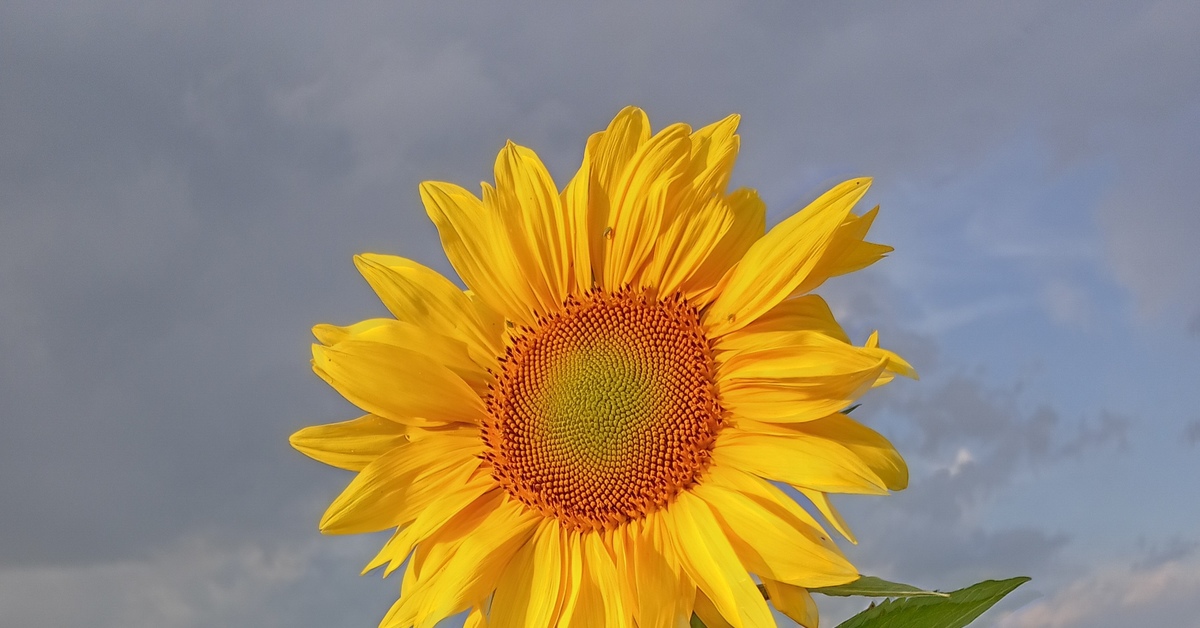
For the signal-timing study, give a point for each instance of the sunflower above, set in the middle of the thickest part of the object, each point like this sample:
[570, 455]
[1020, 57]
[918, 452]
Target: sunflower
[596, 431]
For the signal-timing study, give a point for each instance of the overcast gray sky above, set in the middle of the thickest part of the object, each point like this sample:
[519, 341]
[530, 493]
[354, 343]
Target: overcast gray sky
[182, 187]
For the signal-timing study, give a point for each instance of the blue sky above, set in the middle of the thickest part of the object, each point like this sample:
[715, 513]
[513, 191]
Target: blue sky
[182, 189]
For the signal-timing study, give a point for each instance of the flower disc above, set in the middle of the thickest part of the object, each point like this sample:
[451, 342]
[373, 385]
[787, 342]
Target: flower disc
[605, 410]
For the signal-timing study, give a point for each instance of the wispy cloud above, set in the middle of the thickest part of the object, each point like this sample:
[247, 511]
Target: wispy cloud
[1120, 593]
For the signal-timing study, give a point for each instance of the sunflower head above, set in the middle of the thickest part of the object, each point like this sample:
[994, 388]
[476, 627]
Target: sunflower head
[595, 431]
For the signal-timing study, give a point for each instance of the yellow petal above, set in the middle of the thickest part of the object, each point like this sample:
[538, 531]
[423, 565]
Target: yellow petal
[870, 446]
[476, 619]
[606, 594]
[474, 239]
[448, 351]
[423, 297]
[795, 399]
[762, 490]
[532, 214]
[399, 384]
[799, 460]
[793, 601]
[847, 252]
[687, 243]
[820, 500]
[663, 590]
[772, 543]
[699, 216]
[714, 151]
[708, 613]
[795, 376]
[748, 221]
[620, 541]
[460, 492]
[571, 610]
[528, 592]
[469, 566]
[607, 157]
[896, 364]
[710, 561]
[825, 506]
[639, 205]
[781, 260]
[392, 489]
[350, 445]
[805, 313]
[576, 205]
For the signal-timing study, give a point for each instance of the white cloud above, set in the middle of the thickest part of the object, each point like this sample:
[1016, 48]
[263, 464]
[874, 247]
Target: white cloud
[1119, 595]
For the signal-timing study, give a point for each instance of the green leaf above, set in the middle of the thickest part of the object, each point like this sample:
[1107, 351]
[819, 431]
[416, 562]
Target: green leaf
[955, 611]
[696, 623]
[870, 586]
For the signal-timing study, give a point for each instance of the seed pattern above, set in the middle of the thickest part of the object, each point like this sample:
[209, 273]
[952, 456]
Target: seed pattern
[605, 410]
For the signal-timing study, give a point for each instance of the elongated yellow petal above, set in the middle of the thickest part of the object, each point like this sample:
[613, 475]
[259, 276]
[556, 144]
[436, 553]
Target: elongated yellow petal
[846, 253]
[527, 593]
[781, 260]
[571, 610]
[699, 216]
[476, 618]
[423, 297]
[639, 205]
[805, 313]
[474, 239]
[687, 243]
[392, 489]
[796, 354]
[369, 375]
[794, 376]
[825, 506]
[896, 364]
[449, 351]
[621, 541]
[772, 543]
[536, 224]
[576, 202]
[330, 335]
[591, 608]
[350, 445]
[762, 490]
[708, 613]
[870, 446]
[710, 561]
[662, 591]
[608, 156]
[460, 490]
[799, 460]
[793, 601]
[603, 572]
[749, 220]
[714, 151]
[470, 566]
[796, 399]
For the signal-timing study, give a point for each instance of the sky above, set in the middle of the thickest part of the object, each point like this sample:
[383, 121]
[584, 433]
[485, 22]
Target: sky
[183, 187]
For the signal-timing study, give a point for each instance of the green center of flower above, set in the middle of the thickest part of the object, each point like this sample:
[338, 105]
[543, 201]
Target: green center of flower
[604, 411]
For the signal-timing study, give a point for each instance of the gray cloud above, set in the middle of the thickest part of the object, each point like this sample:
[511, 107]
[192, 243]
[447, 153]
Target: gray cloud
[974, 441]
[181, 188]
[1149, 590]
[197, 582]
